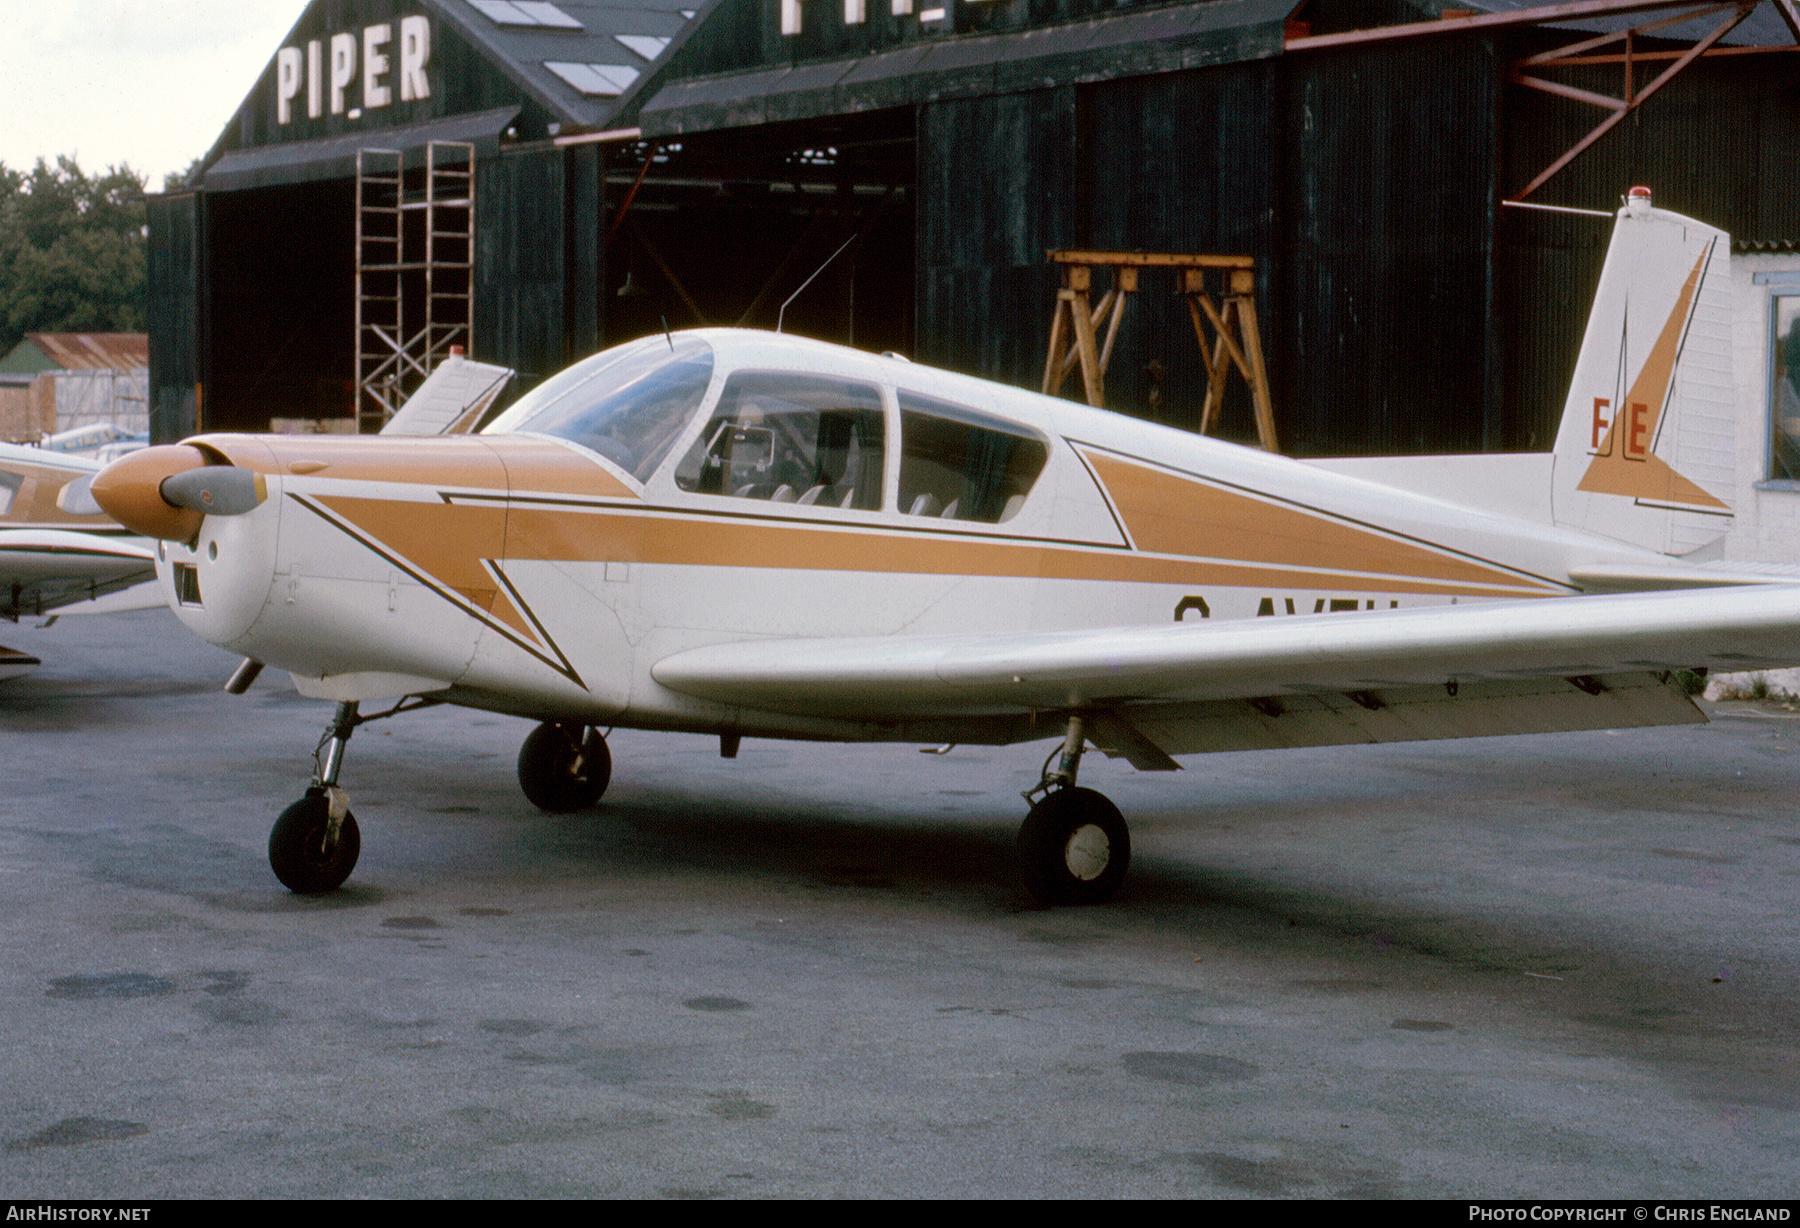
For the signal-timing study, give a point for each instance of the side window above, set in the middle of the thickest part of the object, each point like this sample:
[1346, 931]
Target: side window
[790, 438]
[1784, 401]
[960, 464]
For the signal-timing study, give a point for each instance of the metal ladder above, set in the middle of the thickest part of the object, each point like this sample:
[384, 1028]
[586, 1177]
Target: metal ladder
[411, 311]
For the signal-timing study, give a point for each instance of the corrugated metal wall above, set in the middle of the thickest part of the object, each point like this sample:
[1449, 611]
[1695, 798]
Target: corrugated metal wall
[177, 280]
[520, 263]
[1185, 163]
[1370, 214]
[1387, 252]
[998, 184]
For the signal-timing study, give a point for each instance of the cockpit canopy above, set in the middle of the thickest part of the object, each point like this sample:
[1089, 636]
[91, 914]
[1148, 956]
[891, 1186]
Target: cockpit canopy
[629, 404]
[784, 436]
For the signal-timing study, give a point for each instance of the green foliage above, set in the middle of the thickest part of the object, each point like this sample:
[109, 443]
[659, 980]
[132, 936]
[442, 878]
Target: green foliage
[72, 251]
[176, 181]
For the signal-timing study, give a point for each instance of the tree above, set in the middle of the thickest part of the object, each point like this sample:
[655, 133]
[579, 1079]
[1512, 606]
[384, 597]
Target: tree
[176, 181]
[72, 251]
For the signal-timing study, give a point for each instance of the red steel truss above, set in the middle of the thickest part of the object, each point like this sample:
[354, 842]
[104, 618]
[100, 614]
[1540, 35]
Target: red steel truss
[1619, 48]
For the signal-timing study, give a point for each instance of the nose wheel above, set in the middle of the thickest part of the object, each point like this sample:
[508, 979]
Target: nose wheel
[315, 843]
[310, 851]
[564, 768]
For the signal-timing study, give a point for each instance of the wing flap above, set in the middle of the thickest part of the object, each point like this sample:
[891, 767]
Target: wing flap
[1412, 714]
[1630, 578]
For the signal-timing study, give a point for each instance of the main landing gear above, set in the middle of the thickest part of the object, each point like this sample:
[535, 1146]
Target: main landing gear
[1074, 847]
[564, 767]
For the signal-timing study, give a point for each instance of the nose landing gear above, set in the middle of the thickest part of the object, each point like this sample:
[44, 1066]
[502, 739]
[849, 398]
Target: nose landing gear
[315, 843]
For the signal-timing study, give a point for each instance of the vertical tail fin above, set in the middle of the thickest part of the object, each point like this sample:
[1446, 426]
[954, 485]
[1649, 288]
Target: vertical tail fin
[1647, 444]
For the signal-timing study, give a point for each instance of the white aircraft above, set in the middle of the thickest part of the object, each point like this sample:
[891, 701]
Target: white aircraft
[748, 534]
[58, 550]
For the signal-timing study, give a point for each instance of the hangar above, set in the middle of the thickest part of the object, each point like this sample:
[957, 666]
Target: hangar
[636, 167]
[388, 190]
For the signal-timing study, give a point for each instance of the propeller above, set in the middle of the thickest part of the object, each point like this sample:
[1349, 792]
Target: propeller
[215, 490]
[166, 492]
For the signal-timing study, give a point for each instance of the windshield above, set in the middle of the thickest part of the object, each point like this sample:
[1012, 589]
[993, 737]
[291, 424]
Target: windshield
[628, 404]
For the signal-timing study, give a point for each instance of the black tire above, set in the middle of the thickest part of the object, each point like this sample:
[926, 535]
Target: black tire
[563, 769]
[298, 852]
[1074, 848]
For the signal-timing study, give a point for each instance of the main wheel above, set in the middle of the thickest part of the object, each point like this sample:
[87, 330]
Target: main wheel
[301, 852]
[564, 768]
[1074, 848]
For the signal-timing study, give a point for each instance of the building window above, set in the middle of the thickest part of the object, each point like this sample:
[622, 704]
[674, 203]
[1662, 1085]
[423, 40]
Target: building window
[645, 45]
[595, 80]
[1784, 398]
[526, 13]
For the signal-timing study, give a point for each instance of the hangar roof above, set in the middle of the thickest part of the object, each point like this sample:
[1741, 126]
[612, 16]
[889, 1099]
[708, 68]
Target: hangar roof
[399, 73]
[927, 63]
[734, 69]
[576, 57]
[78, 352]
[1762, 28]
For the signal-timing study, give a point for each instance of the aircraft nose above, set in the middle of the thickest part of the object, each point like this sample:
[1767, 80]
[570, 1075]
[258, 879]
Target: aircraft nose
[166, 492]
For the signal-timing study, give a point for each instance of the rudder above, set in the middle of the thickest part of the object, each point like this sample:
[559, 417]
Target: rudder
[1646, 449]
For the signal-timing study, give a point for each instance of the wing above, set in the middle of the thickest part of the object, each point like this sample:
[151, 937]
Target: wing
[57, 548]
[46, 569]
[1394, 675]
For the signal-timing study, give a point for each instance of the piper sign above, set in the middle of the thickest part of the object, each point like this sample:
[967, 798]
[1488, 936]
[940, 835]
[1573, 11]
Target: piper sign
[328, 73]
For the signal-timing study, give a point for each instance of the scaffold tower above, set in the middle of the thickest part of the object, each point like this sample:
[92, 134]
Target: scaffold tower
[415, 271]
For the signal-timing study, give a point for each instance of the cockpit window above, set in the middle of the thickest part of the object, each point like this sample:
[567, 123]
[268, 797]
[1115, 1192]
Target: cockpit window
[960, 464]
[628, 404]
[789, 438]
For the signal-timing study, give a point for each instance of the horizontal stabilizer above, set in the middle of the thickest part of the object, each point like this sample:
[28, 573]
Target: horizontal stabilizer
[452, 399]
[16, 664]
